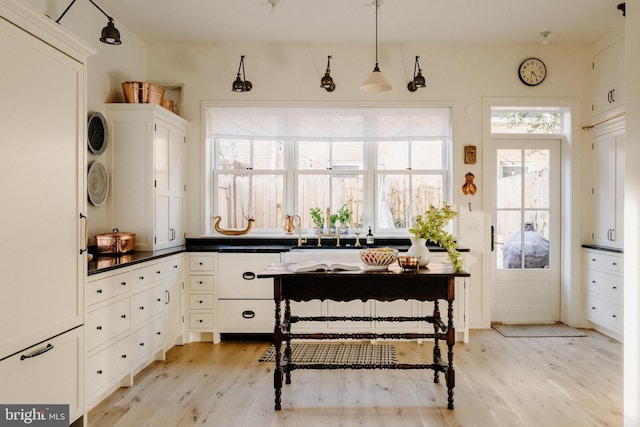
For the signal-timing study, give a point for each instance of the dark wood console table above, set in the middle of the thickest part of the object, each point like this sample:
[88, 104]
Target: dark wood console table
[432, 284]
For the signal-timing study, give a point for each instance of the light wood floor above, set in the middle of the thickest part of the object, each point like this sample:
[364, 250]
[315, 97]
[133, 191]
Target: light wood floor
[499, 382]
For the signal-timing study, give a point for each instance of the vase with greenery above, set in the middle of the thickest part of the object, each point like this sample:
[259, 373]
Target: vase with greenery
[317, 217]
[430, 227]
[344, 218]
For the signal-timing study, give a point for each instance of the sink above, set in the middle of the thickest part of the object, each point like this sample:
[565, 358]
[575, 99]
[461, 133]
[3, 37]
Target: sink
[328, 246]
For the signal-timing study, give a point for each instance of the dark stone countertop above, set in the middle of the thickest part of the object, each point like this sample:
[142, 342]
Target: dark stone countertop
[603, 248]
[101, 264]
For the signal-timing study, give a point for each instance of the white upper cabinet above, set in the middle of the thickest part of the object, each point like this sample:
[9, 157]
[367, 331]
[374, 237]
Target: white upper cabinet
[148, 174]
[609, 80]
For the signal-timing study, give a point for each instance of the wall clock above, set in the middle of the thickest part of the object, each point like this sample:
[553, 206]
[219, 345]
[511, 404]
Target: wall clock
[97, 133]
[532, 71]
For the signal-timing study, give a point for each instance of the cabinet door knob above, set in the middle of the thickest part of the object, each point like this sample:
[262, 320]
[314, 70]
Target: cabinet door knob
[158, 272]
[99, 372]
[123, 283]
[124, 316]
[158, 333]
[124, 356]
[200, 321]
[141, 277]
[141, 344]
[141, 307]
[99, 328]
[159, 299]
[99, 291]
[248, 275]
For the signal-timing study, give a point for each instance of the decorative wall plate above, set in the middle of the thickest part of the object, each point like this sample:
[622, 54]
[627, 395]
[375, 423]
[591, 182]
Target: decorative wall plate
[97, 183]
[97, 133]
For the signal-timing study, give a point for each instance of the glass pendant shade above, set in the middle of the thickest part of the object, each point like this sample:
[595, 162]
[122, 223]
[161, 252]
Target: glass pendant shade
[376, 82]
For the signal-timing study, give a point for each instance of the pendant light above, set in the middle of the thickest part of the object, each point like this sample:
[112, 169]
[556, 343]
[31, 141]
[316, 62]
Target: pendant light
[327, 82]
[376, 81]
[109, 35]
[241, 84]
[418, 79]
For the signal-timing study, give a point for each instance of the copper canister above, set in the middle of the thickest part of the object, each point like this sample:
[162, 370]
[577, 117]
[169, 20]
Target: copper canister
[116, 243]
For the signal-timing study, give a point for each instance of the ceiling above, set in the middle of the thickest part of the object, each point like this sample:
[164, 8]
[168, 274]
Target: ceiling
[353, 21]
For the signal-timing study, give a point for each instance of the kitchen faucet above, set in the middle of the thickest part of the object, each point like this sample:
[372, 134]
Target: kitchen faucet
[329, 233]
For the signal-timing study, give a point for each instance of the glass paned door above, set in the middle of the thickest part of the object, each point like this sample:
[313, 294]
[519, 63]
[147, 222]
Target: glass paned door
[525, 179]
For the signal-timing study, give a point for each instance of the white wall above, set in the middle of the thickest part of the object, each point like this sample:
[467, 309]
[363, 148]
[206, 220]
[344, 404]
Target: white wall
[460, 76]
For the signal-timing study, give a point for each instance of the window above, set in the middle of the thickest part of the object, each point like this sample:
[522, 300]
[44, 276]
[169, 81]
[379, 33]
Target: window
[532, 120]
[385, 165]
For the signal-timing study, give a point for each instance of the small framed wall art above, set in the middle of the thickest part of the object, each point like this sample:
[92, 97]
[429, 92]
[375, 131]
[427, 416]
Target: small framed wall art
[470, 155]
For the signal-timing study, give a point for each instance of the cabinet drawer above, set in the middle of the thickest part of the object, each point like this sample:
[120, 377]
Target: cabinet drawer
[201, 283]
[109, 287]
[147, 339]
[107, 366]
[605, 284]
[146, 275]
[146, 304]
[238, 315]
[201, 320]
[237, 275]
[604, 261]
[605, 313]
[174, 268]
[201, 263]
[106, 323]
[197, 302]
[53, 376]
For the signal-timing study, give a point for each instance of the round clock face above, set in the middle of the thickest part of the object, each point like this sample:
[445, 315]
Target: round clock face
[97, 133]
[532, 71]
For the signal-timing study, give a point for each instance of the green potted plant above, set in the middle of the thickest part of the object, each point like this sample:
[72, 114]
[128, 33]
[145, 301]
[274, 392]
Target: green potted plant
[430, 227]
[344, 218]
[317, 217]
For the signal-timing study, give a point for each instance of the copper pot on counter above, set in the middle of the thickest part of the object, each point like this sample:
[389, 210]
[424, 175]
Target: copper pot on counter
[115, 243]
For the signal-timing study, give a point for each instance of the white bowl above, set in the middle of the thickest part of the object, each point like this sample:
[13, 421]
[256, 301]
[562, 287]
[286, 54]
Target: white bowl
[379, 257]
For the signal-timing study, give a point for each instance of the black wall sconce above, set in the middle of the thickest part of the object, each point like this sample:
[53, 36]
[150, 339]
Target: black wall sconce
[241, 84]
[418, 79]
[327, 82]
[110, 34]
[622, 7]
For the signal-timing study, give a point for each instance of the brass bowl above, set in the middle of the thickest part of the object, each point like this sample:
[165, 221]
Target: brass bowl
[409, 263]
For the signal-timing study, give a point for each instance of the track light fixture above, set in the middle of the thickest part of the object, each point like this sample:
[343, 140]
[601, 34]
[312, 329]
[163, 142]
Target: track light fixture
[241, 84]
[327, 82]
[110, 34]
[376, 81]
[418, 79]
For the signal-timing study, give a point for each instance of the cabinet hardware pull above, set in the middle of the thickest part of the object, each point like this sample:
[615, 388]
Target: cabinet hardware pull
[99, 328]
[168, 294]
[248, 275]
[614, 315]
[158, 272]
[593, 308]
[141, 307]
[158, 333]
[99, 291]
[200, 301]
[248, 314]
[141, 277]
[141, 344]
[124, 356]
[123, 283]
[37, 352]
[200, 263]
[200, 282]
[594, 282]
[159, 299]
[200, 320]
[124, 316]
[615, 263]
[99, 372]
[615, 287]
[86, 234]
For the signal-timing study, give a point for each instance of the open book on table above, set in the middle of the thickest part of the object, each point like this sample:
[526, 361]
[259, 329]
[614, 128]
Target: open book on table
[323, 266]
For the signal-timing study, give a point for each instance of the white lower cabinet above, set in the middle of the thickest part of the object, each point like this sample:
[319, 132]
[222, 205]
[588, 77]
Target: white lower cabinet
[124, 325]
[604, 276]
[174, 297]
[50, 372]
[108, 367]
[201, 303]
[245, 303]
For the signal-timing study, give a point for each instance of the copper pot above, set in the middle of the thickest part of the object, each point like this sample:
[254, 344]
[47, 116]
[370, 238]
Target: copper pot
[116, 242]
